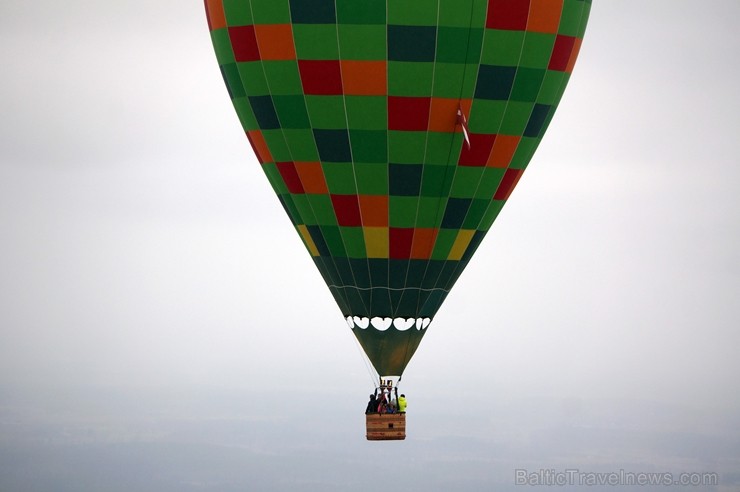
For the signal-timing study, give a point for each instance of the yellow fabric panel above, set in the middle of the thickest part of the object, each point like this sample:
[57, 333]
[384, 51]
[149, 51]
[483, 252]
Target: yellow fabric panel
[461, 244]
[308, 240]
[376, 241]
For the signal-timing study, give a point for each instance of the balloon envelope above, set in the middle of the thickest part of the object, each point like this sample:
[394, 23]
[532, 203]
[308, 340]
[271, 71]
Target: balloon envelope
[393, 132]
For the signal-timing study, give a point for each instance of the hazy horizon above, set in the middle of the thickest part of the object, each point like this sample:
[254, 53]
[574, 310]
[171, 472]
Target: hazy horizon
[162, 327]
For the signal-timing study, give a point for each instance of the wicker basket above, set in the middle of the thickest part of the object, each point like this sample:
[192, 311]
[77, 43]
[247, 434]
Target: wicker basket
[386, 426]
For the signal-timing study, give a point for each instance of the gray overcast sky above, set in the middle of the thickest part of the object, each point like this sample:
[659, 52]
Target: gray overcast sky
[142, 246]
[149, 279]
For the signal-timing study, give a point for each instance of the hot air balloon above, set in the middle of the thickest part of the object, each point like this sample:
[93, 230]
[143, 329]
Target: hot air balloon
[393, 132]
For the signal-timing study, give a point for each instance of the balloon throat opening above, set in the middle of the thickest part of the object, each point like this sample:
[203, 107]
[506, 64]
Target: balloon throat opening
[381, 323]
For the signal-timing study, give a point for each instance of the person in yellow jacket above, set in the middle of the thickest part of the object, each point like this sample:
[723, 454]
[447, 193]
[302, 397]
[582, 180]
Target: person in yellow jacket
[402, 404]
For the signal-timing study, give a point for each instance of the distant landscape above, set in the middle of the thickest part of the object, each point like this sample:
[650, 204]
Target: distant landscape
[92, 439]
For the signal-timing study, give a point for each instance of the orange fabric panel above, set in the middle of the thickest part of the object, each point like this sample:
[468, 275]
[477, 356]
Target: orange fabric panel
[443, 114]
[544, 15]
[260, 146]
[312, 177]
[275, 41]
[364, 78]
[215, 14]
[374, 210]
[503, 150]
[573, 55]
[423, 244]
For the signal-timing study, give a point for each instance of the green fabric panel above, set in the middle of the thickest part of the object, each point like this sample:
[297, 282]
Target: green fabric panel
[340, 178]
[289, 204]
[487, 115]
[369, 145]
[442, 149]
[275, 140]
[408, 43]
[222, 46]
[410, 79]
[273, 176]
[237, 12]
[245, 114]
[303, 207]
[584, 19]
[391, 350]
[413, 12]
[312, 11]
[233, 80]
[437, 181]
[516, 117]
[489, 182]
[283, 77]
[365, 12]
[363, 42]
[372, 178]
[253, 78]
[291, 111]
[550, 89]
[570, 20]
[429, 213]
[354, 241]
[301, 144]
[502, 48]
[323, 209]
[537, 49]
[367, 112]
[326, 111]
[527, 84]
[316, 41]
[402, 211]
[270, 11]
[360, 268]
[406, 147]
[524, 152]
[458, 44]
[334, 241]
[458, 13]
[494, 208]
[451, 80]
[475, 213]
[445, 240]
[466, 181]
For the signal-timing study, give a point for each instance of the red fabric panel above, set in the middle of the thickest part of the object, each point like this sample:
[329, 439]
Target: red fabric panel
[244, 43]
[408, 113]
[508, 182]
[561, 53]
[510, 15]
[478, 152]
[400, 242]
[347, 210]
[321, 77]
[290, 176]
